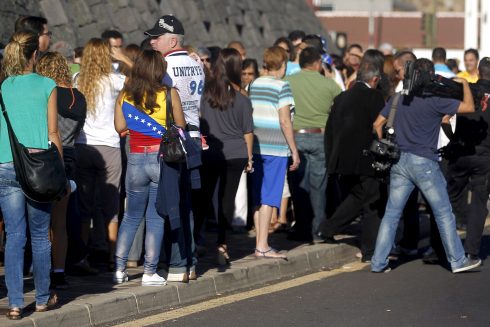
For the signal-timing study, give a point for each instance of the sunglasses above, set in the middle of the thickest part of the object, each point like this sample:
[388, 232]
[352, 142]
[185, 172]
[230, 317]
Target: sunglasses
[206, 59]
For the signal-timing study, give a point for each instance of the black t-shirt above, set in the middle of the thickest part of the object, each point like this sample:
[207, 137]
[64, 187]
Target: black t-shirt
[72, 109]
[224, 129]
[473, 130]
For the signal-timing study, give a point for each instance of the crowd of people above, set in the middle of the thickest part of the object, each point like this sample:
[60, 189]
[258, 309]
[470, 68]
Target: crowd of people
[280, 147]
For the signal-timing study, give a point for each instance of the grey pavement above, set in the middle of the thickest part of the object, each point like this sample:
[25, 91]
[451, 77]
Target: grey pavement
[412, 294]
[95, 300]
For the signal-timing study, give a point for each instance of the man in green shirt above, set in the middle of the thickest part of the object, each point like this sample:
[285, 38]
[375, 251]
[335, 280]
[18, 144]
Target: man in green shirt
[313, 95]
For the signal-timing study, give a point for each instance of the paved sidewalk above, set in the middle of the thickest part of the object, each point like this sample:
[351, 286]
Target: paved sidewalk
[95, 300]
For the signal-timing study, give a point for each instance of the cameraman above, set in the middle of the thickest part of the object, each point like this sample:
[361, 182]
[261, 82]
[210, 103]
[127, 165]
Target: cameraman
[416, 125]
[469, 170]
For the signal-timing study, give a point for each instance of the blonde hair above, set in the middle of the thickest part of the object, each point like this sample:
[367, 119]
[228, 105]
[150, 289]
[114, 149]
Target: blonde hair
[54, 66]
[274, 58]
[18, 52]
[94, 67]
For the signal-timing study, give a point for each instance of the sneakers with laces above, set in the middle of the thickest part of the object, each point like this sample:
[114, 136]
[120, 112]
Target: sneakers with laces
[178, 277]
[153, 280]
[120, 277]
[470, 263]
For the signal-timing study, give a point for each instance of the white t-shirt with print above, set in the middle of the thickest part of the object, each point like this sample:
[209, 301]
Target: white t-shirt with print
[99, 126]
[187, 76]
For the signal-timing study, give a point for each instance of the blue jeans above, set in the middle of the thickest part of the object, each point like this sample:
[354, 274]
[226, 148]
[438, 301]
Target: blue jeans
[309, 182]
[141, 187]
[13, 204]
[413, 171]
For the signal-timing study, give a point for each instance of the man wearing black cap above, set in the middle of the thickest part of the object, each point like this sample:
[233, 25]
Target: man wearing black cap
[187, 76]
[183, 72]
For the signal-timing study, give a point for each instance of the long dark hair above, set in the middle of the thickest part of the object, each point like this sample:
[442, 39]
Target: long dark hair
[226, 71]
[145, 80]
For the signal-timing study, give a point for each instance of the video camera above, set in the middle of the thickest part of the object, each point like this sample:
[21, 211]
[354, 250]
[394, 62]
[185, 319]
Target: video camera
[417, 82]
[385, 152]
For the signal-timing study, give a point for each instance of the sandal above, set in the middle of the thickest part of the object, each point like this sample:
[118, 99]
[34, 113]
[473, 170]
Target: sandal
[51, 304]
[223, 256]
[270, 254]
[14, 313]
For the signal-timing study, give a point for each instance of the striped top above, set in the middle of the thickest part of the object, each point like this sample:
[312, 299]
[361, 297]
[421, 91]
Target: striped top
[268, 94]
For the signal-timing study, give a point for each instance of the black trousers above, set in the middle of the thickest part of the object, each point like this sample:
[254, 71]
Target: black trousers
[468, 191]
[366, 196]
[228, 172]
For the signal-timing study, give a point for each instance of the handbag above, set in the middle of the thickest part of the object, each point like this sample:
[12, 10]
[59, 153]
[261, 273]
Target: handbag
[40, 172]
[172, 149]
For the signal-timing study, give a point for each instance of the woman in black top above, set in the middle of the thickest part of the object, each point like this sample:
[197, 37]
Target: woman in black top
[72, 109]
[226, 121]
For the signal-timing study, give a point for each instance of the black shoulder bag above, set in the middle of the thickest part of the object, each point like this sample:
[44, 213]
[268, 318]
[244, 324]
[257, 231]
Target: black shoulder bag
[171, 147]
[40, 173]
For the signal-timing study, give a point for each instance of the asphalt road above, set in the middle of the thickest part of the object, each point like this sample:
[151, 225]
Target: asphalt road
[412, 294]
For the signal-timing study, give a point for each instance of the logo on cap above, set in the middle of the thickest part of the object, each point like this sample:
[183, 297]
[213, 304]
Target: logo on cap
[164, 25]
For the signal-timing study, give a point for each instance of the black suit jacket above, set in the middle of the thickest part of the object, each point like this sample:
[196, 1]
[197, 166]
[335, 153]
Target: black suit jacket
[349, 130]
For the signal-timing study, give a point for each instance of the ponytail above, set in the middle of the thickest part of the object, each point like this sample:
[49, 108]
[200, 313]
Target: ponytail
[18, 52]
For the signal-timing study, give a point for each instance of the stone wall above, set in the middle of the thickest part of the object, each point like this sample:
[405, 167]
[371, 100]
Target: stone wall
[257, 23]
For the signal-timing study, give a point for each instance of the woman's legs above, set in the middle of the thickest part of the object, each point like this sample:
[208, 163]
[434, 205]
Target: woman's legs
[228, 185]
[59, 234]
[39, 215]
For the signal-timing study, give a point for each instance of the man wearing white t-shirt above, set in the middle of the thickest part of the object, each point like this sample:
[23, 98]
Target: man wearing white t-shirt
[183, 72]
[187, 76]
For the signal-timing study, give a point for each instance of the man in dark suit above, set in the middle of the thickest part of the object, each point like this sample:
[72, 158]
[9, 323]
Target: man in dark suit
[349, 133]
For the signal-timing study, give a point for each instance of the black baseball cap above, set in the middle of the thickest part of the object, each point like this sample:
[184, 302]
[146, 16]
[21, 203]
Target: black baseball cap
[166, 24]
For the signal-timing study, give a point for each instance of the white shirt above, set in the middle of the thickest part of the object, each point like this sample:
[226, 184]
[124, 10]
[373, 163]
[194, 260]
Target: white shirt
[187, 76]
[99, 125]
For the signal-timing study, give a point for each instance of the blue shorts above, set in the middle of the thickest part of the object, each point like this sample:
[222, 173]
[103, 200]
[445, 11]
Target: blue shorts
[268, 180]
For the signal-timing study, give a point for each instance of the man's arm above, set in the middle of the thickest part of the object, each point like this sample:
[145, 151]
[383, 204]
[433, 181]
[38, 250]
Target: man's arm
[378, 125]
[467, 105]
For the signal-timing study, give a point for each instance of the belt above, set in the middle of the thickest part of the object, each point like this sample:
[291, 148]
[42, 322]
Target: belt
[310, 131]
[145, 149]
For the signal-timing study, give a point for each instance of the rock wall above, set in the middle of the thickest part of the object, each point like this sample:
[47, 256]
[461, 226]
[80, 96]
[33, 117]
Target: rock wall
[257, 23]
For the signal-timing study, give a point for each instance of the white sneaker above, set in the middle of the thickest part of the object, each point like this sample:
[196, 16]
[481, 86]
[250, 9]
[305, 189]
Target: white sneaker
[120, 277]
[153, 280]
[192, 273]
[178, 277]
[468, 265]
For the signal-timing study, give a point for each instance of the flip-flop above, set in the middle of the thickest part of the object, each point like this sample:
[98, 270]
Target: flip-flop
[51, 304]
[14, 313]
[265, 255]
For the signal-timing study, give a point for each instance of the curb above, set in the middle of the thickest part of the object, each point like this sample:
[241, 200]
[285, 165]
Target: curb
[245, 273]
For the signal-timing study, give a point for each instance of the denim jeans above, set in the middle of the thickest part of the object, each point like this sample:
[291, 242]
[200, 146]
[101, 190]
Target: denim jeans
[141, 187]
[137, 246]
[13, 204]
[413, 171]
[309, 182]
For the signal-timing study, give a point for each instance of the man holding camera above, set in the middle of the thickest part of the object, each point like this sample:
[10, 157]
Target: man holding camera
[348, 135]
[416, 124]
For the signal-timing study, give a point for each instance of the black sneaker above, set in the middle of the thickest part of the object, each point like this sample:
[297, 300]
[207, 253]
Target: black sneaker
[469, 264]
[430, 257]
[58, 281]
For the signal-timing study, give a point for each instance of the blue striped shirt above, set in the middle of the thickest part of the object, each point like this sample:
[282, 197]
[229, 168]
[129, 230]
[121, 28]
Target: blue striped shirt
[268, 95]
